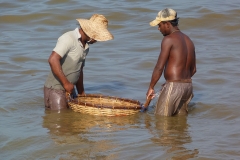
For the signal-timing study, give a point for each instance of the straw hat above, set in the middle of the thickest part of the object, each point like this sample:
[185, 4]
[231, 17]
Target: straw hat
[96, 27]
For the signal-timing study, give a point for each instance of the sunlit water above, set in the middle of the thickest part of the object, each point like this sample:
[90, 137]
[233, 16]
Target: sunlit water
[121, 67]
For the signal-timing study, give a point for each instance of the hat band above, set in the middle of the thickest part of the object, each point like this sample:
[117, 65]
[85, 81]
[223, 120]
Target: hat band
[166, 19]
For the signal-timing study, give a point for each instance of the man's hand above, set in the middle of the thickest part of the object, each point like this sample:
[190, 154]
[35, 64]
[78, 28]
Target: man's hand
[150, 93]
[82, 94]
[68, 87]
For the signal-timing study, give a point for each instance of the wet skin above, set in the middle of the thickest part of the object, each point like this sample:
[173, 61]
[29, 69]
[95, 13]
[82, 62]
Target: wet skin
[177, 56]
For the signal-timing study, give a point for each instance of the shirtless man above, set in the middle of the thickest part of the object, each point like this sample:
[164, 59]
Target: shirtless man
[177, 59]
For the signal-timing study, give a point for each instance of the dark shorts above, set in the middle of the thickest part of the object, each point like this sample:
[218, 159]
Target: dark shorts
[55, 99]
[174, 98]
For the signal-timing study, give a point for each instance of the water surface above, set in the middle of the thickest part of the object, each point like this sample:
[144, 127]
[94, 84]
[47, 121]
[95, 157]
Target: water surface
[121, 67]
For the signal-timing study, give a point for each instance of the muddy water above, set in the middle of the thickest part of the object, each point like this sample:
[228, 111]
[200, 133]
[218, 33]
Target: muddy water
[122, 68]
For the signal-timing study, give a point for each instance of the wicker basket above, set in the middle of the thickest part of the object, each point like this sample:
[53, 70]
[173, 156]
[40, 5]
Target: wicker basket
[97, 104]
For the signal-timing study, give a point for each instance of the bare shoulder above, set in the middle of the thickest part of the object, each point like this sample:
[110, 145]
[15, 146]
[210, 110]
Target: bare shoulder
[167, 40]
[188, 39]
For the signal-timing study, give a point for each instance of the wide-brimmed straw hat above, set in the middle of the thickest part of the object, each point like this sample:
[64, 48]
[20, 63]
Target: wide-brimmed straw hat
[96, 27]
[166, 14]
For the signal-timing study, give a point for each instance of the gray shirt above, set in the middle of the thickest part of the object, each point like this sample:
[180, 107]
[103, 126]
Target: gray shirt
[70, 48]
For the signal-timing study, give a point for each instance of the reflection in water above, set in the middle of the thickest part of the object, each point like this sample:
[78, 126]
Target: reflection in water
[85, 136]
[171, 133]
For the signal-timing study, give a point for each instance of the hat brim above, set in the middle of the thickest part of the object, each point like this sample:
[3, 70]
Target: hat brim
[159, 20]
[154, 22]
[94, 31]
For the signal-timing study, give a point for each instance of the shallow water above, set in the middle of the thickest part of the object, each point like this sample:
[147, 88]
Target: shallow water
[121, 67]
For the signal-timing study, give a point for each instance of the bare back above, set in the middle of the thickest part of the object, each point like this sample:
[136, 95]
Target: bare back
[177, 58]
[181, 63]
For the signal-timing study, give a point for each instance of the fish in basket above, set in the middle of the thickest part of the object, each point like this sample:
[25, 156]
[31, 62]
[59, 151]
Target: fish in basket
[101, 105]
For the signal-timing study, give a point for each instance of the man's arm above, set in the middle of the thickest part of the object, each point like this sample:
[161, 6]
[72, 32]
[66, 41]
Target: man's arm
[54, 62]
[79, 85]
[158, 69]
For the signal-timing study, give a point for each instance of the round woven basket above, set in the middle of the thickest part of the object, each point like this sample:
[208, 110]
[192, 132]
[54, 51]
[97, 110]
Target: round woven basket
[97, 104]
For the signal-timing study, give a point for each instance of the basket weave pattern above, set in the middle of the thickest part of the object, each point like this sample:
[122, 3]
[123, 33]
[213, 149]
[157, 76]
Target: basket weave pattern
[101, 105]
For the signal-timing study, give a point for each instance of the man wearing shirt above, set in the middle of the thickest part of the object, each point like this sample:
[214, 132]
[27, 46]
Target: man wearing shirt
[68, 58]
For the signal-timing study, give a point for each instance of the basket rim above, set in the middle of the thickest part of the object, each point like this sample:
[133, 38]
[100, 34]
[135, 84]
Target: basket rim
[136, 102]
